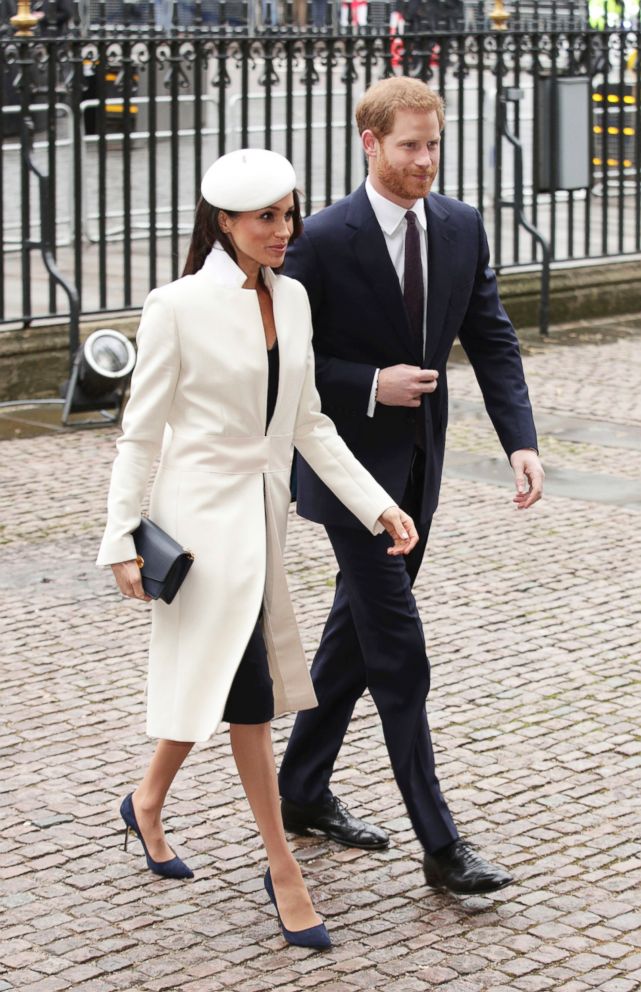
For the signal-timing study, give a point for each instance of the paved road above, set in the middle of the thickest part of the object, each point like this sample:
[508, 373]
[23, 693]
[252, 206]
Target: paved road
[533, 623]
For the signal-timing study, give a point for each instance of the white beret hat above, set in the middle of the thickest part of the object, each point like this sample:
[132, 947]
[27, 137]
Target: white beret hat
[248, 179]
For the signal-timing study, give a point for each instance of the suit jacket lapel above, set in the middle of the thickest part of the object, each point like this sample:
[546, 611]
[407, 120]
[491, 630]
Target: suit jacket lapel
[370, 250]
[440, 253]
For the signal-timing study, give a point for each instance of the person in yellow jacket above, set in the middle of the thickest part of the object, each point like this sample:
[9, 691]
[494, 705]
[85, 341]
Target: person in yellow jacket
[613, 13]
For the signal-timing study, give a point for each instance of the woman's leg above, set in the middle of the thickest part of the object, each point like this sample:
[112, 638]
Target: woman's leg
[254, 756]
[149, 797]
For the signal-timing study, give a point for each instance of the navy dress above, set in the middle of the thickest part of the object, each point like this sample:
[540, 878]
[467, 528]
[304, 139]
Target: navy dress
[251, 697]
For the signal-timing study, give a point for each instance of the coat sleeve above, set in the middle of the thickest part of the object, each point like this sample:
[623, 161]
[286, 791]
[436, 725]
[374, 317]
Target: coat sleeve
[488, 337]
[317, 440]
[340, 382]
[344, 384]
[153, 386]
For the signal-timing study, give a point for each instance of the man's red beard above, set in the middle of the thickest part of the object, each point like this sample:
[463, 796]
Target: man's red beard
[401, 182]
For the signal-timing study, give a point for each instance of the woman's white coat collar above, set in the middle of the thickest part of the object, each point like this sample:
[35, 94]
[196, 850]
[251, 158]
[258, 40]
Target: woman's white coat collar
[223, 270]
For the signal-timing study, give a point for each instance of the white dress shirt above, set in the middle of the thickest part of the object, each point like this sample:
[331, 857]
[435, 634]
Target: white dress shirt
[391, 219]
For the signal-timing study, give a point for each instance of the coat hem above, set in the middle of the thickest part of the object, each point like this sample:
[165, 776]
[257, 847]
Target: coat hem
[291, 705]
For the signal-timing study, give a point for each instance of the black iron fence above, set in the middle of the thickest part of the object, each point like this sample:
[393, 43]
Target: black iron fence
[126, 117]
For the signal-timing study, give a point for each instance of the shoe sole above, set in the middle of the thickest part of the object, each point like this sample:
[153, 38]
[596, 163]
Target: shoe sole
[315, 831]
[441, 887]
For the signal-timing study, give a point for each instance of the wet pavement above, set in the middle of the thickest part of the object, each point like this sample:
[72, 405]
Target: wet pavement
[533, 626]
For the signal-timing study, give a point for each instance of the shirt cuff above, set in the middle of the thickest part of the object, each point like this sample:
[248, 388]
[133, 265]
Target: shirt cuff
[371, 406]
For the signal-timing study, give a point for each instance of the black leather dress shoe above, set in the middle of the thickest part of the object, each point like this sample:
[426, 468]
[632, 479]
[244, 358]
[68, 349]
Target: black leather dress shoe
[333, 819]
[461, 870]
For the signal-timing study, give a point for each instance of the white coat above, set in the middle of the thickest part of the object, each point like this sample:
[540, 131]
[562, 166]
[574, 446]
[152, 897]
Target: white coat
[222, 488]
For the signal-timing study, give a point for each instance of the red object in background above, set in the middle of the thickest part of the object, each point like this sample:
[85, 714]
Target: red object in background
[397, 51]
[397, 48]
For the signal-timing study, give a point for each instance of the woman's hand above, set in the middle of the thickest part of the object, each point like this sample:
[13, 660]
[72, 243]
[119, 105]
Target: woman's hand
[400, 526]
[129, 579]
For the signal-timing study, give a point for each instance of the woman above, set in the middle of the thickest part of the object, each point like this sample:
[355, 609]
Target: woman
[225, 360]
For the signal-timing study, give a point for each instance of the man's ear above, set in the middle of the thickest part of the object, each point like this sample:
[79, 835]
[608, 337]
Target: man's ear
[370, 143]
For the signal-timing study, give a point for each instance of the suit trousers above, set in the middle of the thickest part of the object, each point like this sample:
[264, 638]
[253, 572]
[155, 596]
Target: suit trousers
[373, 639]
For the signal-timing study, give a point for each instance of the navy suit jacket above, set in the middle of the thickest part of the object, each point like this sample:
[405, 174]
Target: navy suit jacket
[360, 324]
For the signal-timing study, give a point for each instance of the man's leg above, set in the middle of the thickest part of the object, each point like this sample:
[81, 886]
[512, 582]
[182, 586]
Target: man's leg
[338, 673]
[390, 636]
[378, 639]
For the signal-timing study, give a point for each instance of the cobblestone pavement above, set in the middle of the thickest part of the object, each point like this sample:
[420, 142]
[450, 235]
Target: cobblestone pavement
[533, 623]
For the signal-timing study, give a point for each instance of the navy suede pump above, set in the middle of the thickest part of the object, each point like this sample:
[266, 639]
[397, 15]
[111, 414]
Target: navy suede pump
[174, 868]
[315, 937]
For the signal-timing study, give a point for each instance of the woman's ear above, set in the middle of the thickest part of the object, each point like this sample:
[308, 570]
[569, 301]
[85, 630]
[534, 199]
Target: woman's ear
[223, 222]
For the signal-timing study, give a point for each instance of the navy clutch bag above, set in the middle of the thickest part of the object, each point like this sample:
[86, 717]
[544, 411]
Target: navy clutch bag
[163, 562]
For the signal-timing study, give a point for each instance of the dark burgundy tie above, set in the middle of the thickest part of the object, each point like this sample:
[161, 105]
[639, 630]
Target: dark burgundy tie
[413, 280]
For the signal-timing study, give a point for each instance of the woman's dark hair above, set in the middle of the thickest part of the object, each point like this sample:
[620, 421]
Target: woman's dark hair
[207, 230]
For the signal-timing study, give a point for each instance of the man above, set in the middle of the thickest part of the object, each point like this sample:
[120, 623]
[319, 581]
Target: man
[394, 273]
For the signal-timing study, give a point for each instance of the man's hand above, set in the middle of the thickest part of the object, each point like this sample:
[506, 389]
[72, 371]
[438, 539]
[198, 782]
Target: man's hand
[528, 477]
[403, 385]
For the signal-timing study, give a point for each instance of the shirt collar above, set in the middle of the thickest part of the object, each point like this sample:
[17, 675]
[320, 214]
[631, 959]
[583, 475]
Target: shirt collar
[389, 215]
[221, 267]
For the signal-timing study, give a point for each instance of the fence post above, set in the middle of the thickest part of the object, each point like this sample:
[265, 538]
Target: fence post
[499, 16]
[24, 22]
[513, 95]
